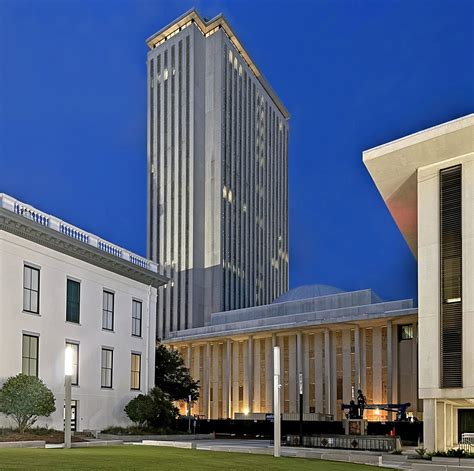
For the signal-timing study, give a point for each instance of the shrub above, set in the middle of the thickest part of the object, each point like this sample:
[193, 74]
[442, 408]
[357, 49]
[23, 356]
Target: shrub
[139, 409]
[154, 409]
[24, 399]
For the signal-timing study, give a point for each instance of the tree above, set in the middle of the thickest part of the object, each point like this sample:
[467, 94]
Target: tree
[154, 409]
[172, 376]
[25, 398]
[139, 410]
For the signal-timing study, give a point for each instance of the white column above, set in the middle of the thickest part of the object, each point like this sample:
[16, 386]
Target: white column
[318, 371]
[429, 424]
[197, 377]
[389, 364]
[216, 413]
[356, 359]
[256, 376]
[395, 365]
[449, 426]
[440, 426]
[346, 367]
[189, 356]
[207, 383]
[363, 360]
[414, 360]
[292, 374]
[306, 378]
[327, 369]
[377, 364]
[228, 379]
[248, 375]
[333, 373]
[268, 375]
[235, 377]
[299, 366]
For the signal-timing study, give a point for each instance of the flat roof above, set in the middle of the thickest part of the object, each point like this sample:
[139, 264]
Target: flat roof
[315, 313]
[207, 26]
[393, 167]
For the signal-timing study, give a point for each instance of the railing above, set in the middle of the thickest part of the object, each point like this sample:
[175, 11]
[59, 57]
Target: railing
[109, 248]
[56, 224]
[74, 233]
[31, 213]
[348, 442]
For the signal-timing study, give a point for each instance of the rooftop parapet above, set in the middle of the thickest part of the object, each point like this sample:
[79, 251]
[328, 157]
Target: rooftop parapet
[207, 28]
[47, 220]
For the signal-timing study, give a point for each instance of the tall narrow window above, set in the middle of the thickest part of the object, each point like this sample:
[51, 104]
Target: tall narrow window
[135, 371]
[31, 280]
[108, 310]
[75, 362]
[107, 368]
[29, 364]
[73, 301]
[451, 276]
[136, 318]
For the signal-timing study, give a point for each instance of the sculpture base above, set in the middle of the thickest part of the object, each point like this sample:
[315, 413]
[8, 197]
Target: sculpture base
[355, 426]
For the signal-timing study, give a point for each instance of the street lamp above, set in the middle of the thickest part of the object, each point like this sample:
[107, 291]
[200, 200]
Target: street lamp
[276, 402]
[68, 371]
[189, 413]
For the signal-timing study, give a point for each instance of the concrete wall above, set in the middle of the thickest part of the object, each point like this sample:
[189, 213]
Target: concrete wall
[441, 403]
[97, 408]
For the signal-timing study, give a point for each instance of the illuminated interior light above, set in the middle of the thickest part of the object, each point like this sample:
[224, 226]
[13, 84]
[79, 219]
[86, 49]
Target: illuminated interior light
[453, 300]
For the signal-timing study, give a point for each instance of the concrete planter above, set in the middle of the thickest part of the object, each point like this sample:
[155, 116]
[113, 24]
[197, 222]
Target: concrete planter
[26, 444]
[96, 443]
[160, 438]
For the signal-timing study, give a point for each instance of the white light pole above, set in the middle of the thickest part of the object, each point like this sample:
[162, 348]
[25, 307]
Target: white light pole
[68, 367]
[276, 402]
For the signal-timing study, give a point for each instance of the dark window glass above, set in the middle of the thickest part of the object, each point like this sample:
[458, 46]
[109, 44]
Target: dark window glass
[106, 368]
[73, 301]
[451, 277]
[135, 371]
[31, 279]
[108, 310]
[136, 318]
[406, 332]
[29, 364]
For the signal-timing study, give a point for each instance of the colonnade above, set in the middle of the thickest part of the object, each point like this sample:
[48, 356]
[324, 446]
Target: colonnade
[236, 373]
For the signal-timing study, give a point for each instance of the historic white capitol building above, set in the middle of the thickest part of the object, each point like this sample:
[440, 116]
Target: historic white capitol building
[62, 286]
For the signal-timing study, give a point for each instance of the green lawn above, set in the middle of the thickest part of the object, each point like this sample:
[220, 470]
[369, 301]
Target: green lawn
[158, 458]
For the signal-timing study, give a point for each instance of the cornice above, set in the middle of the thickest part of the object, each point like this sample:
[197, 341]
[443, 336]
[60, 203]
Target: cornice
[22, 227]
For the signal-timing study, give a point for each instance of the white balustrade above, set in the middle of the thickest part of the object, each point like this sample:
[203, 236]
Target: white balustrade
[31, 213]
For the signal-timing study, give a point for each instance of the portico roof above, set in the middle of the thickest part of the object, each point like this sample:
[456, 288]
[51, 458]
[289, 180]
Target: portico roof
[393, 167]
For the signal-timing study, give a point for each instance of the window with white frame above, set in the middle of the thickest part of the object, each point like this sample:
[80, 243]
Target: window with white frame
[107, 368]
[30, 355]
[135, 371]
[108, 310]
[136, 318]
[31, 280]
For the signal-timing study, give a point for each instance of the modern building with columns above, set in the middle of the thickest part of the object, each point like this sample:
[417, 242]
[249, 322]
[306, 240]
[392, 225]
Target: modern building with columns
[427, 182]
[339, 341]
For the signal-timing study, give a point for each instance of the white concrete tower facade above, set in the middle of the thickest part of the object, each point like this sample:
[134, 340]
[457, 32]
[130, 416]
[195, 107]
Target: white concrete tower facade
[427, 182]
[217, 174]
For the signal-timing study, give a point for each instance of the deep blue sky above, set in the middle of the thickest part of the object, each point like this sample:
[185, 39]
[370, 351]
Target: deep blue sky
[354, 74]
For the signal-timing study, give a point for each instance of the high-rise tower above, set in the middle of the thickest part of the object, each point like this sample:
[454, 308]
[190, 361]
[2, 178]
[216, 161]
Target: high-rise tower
[217, 174]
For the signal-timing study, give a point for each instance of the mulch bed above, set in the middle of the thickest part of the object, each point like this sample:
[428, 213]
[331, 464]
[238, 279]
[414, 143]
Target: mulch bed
[51, 436]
